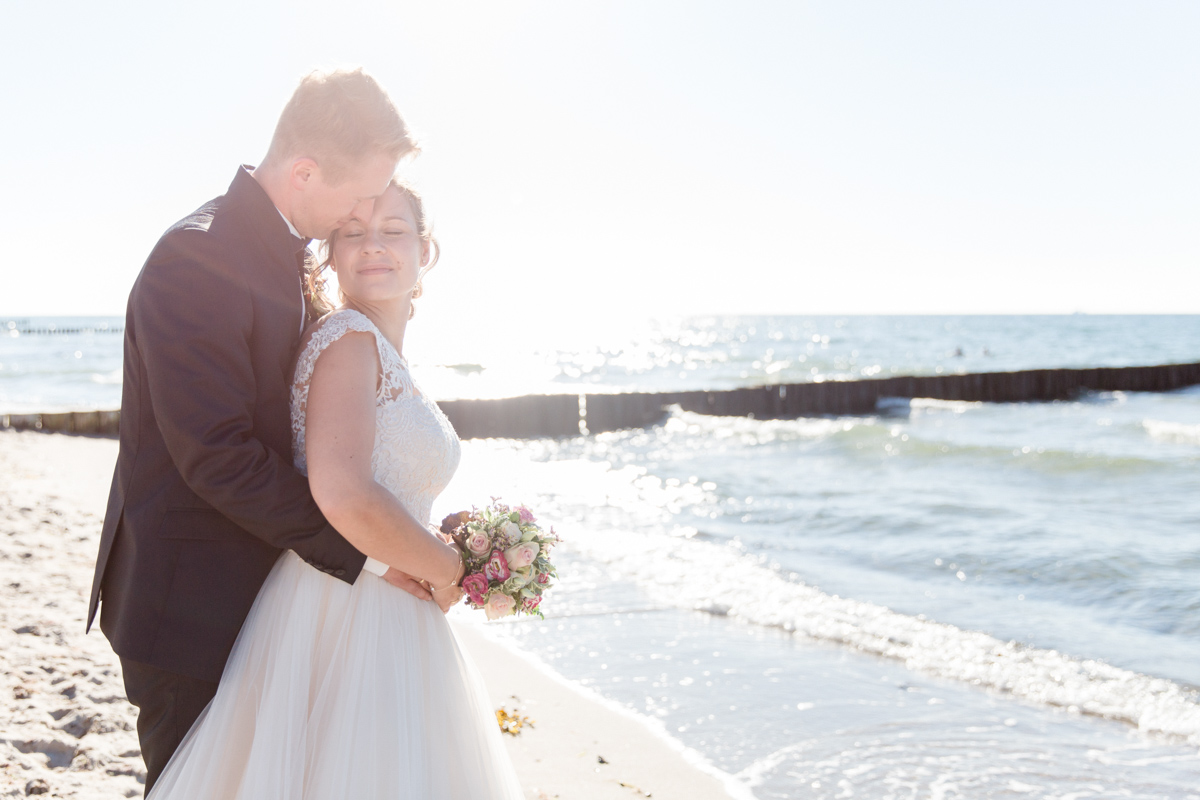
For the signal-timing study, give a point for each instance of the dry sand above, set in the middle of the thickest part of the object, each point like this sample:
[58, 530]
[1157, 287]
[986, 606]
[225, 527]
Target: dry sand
[66, 729]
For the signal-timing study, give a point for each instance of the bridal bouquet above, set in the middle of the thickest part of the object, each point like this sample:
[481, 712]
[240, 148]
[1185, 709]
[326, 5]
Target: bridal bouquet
[508, 558]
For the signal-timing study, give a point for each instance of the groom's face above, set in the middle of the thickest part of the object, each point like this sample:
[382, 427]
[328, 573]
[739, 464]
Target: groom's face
[326, 206]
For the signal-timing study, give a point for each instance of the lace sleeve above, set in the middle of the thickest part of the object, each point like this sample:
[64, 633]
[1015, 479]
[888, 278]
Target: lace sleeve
[328, 330]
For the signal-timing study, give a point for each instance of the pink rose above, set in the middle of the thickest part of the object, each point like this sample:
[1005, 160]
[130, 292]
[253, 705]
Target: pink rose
[543, 577]
[478, 543]
[531, 604]
[496, 569]
[475, 585]
[526, 514]
[499, 605]
[522, 555]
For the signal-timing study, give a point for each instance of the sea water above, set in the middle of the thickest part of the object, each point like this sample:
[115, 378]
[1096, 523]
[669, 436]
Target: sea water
[44, 368]
[460, 358]
[934, 600]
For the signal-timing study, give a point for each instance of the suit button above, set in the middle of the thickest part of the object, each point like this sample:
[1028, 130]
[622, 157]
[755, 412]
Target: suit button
[339, 572]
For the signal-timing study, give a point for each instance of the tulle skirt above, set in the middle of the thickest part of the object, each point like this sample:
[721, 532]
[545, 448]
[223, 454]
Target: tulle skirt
[338, 691]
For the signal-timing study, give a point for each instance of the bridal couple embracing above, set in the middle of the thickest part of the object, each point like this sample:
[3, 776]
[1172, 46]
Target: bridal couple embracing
[267, 572]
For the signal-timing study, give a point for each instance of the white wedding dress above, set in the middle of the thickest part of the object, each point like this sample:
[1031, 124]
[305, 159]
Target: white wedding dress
[350, 691]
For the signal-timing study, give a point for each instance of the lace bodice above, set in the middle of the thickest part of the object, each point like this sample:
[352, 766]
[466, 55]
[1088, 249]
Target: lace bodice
[416, 450]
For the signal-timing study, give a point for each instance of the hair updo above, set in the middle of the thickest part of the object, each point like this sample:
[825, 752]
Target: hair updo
[317, 279]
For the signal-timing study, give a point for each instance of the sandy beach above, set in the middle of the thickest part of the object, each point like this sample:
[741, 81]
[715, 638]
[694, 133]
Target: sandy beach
[66, 729]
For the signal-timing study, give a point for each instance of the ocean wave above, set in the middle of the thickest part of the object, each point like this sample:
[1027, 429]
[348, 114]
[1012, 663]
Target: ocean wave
[1046, 460]
[758, 431]
[722, 580]
[987, 761]
[866, 435]
[1176, 432]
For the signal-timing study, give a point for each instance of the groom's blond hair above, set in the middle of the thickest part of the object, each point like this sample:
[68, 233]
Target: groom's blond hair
[340, 119]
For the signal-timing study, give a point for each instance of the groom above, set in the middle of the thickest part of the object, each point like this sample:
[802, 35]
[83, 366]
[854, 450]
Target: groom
[205, 497]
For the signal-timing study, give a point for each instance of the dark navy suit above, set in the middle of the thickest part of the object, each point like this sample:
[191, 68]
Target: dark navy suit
[205, 497]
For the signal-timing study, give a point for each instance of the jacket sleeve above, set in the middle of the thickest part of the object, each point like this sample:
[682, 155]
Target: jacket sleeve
[194, 315]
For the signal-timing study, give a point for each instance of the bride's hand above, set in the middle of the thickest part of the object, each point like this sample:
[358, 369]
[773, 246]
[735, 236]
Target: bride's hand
[408, 583]
[448, 597]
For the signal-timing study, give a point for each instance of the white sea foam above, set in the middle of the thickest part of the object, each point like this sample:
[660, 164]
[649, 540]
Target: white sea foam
[933, 404]
[755, 774]
[721, 580]
[894, 405]
[1177, 432]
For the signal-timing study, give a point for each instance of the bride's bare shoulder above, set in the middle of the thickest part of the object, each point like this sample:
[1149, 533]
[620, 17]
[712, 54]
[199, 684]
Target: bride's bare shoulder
[346, 350]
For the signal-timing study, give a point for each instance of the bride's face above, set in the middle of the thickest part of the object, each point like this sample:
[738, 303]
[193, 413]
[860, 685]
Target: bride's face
[379, 259]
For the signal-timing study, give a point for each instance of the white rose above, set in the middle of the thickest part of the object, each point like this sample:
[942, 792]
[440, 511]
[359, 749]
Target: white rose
[499, 605]
[511, 532]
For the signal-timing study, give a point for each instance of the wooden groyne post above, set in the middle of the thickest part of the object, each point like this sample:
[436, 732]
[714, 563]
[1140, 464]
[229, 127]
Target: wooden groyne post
[535, 416]
[95, 422]
[528, 417]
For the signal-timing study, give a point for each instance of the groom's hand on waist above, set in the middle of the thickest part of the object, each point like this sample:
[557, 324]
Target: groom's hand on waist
[407, 582]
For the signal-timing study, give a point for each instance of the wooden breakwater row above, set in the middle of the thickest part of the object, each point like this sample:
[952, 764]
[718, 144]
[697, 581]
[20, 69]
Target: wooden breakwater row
[101, 422]
[54, 329]
[535, 416]
[562, 415]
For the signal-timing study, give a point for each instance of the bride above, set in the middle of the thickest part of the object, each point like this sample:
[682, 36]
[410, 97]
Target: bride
[357, 691]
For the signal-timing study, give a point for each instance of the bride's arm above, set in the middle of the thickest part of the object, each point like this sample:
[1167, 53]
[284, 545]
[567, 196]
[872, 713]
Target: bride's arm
[339, 440]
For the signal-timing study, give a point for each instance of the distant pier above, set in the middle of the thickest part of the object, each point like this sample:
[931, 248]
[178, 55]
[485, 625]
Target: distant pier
[536, 416]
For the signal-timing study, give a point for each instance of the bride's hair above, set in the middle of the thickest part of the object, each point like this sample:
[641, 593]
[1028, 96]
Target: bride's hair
[323, 303]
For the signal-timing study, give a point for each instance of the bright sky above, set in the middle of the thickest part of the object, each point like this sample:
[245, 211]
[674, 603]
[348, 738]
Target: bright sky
[646, 157]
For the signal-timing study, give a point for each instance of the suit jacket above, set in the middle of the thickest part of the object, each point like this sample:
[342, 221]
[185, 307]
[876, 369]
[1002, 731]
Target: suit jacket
[205, 497]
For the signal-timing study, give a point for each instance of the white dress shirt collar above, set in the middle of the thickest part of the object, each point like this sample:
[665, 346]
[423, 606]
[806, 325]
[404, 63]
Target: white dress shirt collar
[291, 227]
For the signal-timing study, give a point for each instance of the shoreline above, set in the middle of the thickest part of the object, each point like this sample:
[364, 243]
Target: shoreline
[68, 731]
[640, 757]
